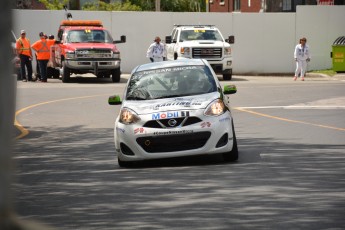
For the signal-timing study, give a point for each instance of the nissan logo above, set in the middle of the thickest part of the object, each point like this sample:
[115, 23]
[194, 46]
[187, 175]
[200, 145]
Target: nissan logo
[172, 122]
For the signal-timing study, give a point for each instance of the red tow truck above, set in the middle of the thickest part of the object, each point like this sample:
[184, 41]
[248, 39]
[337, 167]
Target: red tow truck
[85, 46]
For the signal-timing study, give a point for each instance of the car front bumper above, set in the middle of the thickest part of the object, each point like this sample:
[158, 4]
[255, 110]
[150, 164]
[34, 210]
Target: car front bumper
[212, 135]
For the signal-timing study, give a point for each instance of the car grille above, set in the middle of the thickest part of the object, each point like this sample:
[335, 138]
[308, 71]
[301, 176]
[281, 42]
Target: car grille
[207, 53]
[93, 53]
[172, 143]
[167, 123]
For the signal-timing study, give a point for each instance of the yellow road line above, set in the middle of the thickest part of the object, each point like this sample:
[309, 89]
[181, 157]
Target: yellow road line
[288, 120]
[24, 131]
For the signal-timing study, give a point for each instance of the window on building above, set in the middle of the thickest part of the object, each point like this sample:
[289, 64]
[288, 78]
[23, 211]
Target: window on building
[237, 5]
[222, 2]
[287, 5]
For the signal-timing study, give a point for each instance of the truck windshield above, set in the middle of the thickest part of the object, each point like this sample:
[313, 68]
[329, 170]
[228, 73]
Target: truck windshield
[200, 34]
[88, 36]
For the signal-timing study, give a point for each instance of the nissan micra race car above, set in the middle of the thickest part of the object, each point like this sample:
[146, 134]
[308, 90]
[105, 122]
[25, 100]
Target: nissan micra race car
[174, 109]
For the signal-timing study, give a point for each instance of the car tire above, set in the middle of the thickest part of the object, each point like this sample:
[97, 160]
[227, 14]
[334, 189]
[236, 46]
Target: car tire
[233, 154]
[227, 77]
[66, 73]
[116, 75]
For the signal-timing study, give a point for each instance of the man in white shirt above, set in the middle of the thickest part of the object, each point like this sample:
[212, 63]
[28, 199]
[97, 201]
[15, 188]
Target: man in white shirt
[302, 56]
[156, 52]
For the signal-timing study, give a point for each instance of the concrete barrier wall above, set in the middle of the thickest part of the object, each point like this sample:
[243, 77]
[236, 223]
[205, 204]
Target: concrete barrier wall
[264, 42]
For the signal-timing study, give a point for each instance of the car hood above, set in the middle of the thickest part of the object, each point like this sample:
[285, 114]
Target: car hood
[171, 104]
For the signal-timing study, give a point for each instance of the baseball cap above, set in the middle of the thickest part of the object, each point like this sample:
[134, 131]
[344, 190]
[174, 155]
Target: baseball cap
[22, 32]
[41, 34]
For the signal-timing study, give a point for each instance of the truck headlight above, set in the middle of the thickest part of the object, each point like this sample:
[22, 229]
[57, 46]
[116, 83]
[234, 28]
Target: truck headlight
[116, 55]
[128, 116]
[185, 50]
[227, 51]
[70, 55]
[215, 108]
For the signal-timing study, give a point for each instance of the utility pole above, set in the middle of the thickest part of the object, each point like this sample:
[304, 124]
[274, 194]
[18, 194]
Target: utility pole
[7, 108]
[158, 5]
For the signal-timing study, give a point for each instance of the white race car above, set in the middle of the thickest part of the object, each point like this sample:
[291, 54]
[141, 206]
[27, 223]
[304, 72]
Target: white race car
[174, 109]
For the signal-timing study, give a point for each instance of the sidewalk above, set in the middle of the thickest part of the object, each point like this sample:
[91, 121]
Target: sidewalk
[337, 77]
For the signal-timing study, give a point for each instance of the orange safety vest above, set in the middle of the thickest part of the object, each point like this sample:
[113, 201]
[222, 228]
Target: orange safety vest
[23, 46]
[42, 48]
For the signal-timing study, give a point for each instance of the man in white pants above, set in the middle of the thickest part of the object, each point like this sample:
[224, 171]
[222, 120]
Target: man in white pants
[157, 52]
[302, 56]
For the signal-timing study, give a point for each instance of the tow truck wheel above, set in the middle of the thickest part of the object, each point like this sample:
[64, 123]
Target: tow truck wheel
[116, 75]
[65, 74]
[227, 77]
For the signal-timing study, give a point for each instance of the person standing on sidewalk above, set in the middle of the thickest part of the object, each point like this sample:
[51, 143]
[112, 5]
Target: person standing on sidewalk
[156, 51]
[25, 56]
[302, 56]
[42, 49]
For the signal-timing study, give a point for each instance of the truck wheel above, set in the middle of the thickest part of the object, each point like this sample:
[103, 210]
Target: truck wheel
[56, 73]
[50, 72]
[116, 75]
[227, 77]
[65, 74]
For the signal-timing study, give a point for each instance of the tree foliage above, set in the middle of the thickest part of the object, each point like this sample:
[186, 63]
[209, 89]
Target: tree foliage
[172, 5]
[133, 5]
[115, 6]
[54, 4]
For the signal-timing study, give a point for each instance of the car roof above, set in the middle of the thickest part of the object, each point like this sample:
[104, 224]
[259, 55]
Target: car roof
[169, 64]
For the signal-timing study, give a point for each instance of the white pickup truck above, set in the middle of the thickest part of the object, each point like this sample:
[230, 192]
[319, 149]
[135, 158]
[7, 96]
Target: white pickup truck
[201, 41]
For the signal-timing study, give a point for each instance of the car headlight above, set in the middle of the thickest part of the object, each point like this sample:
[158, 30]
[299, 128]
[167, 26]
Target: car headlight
[227, 51]
[69, 55]
[215, 108]
[128, 116]
[185, 50]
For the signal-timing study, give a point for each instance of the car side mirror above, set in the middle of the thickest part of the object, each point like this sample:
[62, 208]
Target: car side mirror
[167, 39]
[122, 40]
[230, 39]
[114, 100]
[230, 89]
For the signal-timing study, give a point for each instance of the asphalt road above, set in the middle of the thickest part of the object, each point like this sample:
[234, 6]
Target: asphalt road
[290, 172]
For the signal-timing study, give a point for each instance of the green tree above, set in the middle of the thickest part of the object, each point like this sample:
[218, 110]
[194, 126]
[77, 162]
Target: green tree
[116, 6]
[54, 4]
[172, 5]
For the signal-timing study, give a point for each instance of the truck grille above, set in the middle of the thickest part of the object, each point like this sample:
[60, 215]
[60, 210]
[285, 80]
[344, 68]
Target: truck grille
[94, 53]
[172, 143]
[207, 53]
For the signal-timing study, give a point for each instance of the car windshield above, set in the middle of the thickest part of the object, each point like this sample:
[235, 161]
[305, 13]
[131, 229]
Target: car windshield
[200, 34]
[89, 36]
[170, 82]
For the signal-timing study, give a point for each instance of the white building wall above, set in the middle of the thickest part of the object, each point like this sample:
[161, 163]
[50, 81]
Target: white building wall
[264, 42]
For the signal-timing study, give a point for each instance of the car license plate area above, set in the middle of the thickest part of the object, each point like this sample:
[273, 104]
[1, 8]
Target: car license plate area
[173, 143]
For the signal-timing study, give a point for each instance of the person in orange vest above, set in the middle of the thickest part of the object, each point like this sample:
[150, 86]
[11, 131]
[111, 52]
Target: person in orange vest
[42, 48]
[25, 55]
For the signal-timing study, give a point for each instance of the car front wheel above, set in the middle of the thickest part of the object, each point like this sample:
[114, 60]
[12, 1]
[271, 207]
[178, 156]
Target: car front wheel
[233, 154]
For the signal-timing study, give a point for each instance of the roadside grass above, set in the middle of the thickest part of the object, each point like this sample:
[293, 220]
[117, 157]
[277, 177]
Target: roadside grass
[328, 72]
